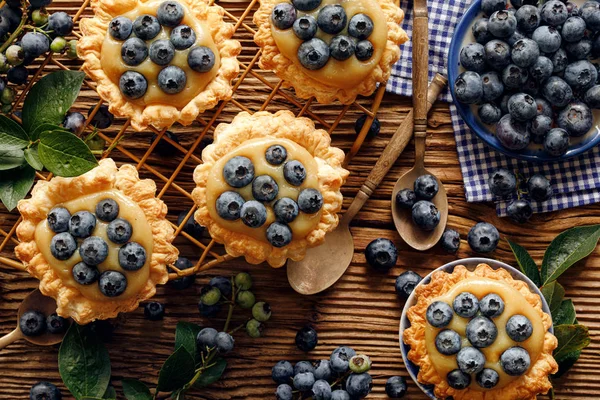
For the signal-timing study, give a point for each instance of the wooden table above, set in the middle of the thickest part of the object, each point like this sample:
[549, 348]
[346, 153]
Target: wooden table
[361, 310]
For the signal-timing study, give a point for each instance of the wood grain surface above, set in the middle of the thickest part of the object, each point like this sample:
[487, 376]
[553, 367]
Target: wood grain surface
[361, 310]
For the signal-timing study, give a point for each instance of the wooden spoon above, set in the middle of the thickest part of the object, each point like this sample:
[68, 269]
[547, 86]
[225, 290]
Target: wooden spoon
[412, 234]
[324, 265]
[38, 302]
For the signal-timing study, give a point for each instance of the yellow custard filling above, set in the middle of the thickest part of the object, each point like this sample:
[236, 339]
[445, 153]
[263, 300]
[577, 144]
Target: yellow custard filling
[114, 66]
[514, 303]
[255, 149]
[141, 233]
[343, 74]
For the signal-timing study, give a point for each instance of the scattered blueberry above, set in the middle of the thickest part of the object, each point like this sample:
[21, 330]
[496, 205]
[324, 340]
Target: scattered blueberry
[489, 113]
[185, 281]
[245, 299]
[284, 392]
[373, 129]
[425, 215]
[426, 187]
[306, 338]
[323, 370]
[406, 283]
[538, 128]
[56, 324]
[207, 339]
[282, 372]
[406, 199]
[32, 323]
[472, 57]
[224, 285]
[519, 210]
[556, 142]
[395, 387]
[102, 119]
[321, 390]
[340, 358]
[481, 32]
[154, 311]
[74, 122]
[304, 381]
[483, 237]
[468, 87]
[44, 391]
[359, 385]
[381, 254]
[60, 23]
[191, 226]
[450, 241]
[539, 188]
[303, 366]
[224, 342]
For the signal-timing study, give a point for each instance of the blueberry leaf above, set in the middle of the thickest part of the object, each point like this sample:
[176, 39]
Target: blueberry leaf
[177, 370]
[110, 394]
[571, 338]
[12, 136]
[64, 154]
[83, 363]
[567, 362]
[567, 248]
[526, 263]
[15, 184]
[33, 158]
[35, 135]
[554, 294]
[212, 374]
[50, 98]
[565, 314]
[135, 390]
[10, 159]
[185, 335]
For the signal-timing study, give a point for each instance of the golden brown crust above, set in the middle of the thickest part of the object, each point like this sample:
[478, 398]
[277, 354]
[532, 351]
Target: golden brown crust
[89, 48]
[46, 194]
[293, 75]
[282, 124]
[527, 387]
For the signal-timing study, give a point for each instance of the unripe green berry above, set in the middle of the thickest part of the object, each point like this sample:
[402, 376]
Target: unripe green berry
[254, 328]
[58, 44]
[39, 16]
[360, 363]
[6, 108]
[261, 311]
[15, 55]
[7, 96]
[210, 295]
[243, 281]
[3, 61]
[245, 299]
[72, 49]
[96, 143]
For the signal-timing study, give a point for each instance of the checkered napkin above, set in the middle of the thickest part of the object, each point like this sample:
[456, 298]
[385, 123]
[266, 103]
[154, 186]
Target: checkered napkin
[576, 181]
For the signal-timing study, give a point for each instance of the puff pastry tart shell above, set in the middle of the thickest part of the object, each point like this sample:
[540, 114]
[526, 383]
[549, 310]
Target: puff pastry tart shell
[160, 115]
[250, 135]
[541, 344]
[122, 183]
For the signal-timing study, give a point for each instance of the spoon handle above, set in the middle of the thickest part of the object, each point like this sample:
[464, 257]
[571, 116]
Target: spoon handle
[10, 338]
[392, 151]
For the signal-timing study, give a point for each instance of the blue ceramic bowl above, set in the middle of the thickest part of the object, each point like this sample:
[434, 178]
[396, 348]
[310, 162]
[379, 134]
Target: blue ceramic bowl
[533, 153]
[470, 263]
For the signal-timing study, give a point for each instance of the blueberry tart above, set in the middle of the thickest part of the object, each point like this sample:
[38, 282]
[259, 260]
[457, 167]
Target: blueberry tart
[159, 61]
[330, 49]
[269, 186]
[99, 243]
[480, 335]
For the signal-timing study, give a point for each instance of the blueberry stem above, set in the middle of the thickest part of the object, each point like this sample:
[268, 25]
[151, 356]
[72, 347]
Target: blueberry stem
[17, 31]
[237, 328]
[231, 305]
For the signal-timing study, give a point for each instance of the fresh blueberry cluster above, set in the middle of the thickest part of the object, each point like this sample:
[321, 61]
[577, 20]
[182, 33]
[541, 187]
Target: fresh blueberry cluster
[349, 35]
[239, 172]
[75, 232]
[35, 323]
[424, 213]
[530, 73]
[481, 332]
[140, 43]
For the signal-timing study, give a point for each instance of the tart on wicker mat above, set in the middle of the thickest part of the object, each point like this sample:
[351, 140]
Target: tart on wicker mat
[99, 242]
[159, 62]
[481, 335]
[330, 49]
[269, 186]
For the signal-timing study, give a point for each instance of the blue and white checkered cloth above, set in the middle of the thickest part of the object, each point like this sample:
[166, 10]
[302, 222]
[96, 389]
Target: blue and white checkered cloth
[576, 181]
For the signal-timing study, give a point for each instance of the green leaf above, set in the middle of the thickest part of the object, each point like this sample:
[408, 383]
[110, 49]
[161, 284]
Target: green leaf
[571, 338]
[50, 98]
[526, 263]
[185, 335]
[568, 248]
[177, 370]
[565, 314]
[135, 390]
[10, 159]
[33, 158]
[15, 184]
[35, 135]
[83, 363]
[554, 294]
[568, 361]
[110, 394]
[212, 374]
[12, 136]
[64, 154]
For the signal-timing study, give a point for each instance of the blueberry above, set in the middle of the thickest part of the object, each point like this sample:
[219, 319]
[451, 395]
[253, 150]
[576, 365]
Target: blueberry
[284, 392]
[406, 283]
[44, 391]
[253, 214]
[458, 379]
[340, 395]
[285, 209]
[489, 113]
[279, 234]
[132, 256]
[468, 87]
[185, 281]
[310, 201]
[573, 29]
[119, 231]
[74, 122]
[576, 118]
[426, 187]
[332, 19]
[580, 50]
[472, 57]
[541, 69]
[425, 215]
[191, 226]
[313, 54]
[14, 54]
[224, 285]
[60, 23]
[559, 61]
[281, 372]
[323, 370]
[448, 342]
[493, 87]
[146, 27]
[514, 77]
[172, 79]
[85, 274]
[592, 97]
[381, 254]
[120, 28]
[481, 332]
[466, 305]
[341, 47]
[483, 238]
[502, 182]
[134, 51]
[439, 314]
[548, 38]
[487, 378]
[488, 7]
[17, 75]
[395, 387]
[13, 14]
[56, 324]
[512, 134]
[93, 250]
[112, 283]
[359, 385]
[450, 241]
[531, 87]
[304, 381]
[557, 91]
[554, 12]
[306, 5]
[294, 172]
[238, 172]
[321, 390]
[305, 27]
[543, 107]
[525, 53]
[154, 311]
[406, 199]
[522, 107]
[539, 188]
[162, 51]
[170, 13]
[276, 154]
[283, 16]
[107, 210]
[538, 128]
[581, 75]
[572, 9]
[303, 366]
[491, 305]
[470, 360]
[264, 188]
[63, 245]
[502, 24]
[519, 328]
[364, 50]
[58, 219]
[201, 59]
[528, 18]
[340, 358]
[515, 361]
[35, 44]
[102, 119]
[32, 323]
[243, 281]
[210, 295]
[590, 12]
[207, 339]
[481, 32]
[360, 26]
[224, 342]
[183, 37]
[208, 311]
[556, 142]
[373, 129]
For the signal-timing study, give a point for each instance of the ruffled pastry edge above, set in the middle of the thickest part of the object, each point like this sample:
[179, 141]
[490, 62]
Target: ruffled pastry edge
[89, 48]
[283, 124]
[46, 194]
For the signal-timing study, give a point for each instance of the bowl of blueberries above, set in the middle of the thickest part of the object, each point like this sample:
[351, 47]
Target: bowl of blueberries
[523, 76]
[470, 263]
